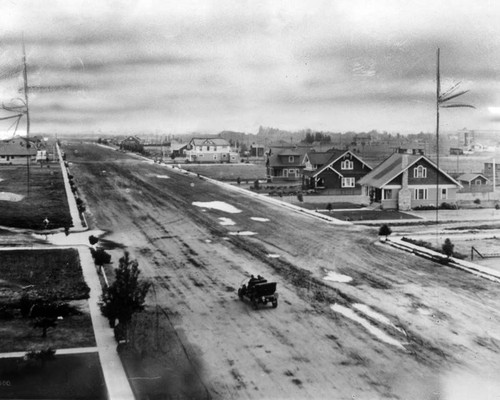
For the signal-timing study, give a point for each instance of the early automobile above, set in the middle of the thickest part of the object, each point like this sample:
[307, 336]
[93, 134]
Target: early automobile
[259, 291]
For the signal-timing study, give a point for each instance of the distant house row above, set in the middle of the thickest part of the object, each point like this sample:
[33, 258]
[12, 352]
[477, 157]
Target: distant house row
[18, 149]
[405, 180]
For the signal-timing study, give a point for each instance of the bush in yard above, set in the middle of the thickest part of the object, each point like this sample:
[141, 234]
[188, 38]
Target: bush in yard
[126, 295]
[329, 207]
[385, 230]
[101, 257]
[93, 240]
[300, 197]
[448, 247]
[477, 201]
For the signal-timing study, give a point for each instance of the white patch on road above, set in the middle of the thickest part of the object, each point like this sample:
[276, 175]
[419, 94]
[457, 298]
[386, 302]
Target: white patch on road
[273, 256]
[217, 205]
[379, 334]
[243, 233]
[259, 219]
[163, 176]
[424, 311]
[226, 221]
[208, 241]
[376, 316]
[7, 196]
[335, 277]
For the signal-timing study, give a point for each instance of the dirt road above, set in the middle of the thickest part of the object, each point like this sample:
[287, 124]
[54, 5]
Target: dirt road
[428, 328]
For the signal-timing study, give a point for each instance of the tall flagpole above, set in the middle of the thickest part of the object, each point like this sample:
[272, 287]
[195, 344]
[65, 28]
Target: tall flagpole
[438, 94]
[25, 76]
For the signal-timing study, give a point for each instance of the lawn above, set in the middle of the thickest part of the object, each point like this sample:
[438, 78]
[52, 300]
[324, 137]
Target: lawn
[72, 376]
[47, 197]
[55, 274]
[229, 172]
[370, 215]
[52, 272]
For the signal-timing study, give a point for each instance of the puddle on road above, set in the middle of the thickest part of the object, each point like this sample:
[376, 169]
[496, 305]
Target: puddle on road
[243, 233]
[336, 277]
[8, 196]
[217, 205]
[379, 334]
[73, 239]
[259, 219]
[226, 221]
[273, 256]
[163, 176]
[376, 316]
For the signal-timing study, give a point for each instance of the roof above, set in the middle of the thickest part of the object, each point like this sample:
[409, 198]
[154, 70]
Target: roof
[317, 158]
[177, 146]
[392, 167]
[209, 141]
[278, 157]
[16, 149]
[335, 156]
[471, 177]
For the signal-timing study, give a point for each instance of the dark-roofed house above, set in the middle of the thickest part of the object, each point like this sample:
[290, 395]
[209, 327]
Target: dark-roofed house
[405, 181]
[210, 150]
[473, 180]
[335, 172]
[132, 143]
[16, 151]
[285, 163]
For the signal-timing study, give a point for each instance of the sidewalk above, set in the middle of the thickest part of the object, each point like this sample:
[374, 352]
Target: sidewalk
[76, 350]
[114, 374]
[73, 208]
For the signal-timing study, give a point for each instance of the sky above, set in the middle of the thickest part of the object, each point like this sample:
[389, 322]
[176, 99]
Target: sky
[174, 67]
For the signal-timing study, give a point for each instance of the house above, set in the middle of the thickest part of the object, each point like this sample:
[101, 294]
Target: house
[178, 149]
[335, 172]
[16, 151]
[132, 143]
[405, 181]
[473, 180]
[257, 150]
[285, 163]
[210, 150]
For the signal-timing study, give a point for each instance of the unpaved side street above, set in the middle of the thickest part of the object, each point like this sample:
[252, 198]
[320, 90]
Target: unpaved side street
[435, 327]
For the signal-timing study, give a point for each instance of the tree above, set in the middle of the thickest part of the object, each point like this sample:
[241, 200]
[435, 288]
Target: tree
[329, 207]
[93, 240]
[101, 257]
[448, 248]
[385, 230]
[126, 295]
[45, 323]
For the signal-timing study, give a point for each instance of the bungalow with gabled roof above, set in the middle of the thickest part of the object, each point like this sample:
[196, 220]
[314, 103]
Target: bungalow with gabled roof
[16, 151]
[286, 163]
[405, 181]
[335, 172]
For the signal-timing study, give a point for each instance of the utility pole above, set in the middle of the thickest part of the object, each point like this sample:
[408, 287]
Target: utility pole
[25, 76]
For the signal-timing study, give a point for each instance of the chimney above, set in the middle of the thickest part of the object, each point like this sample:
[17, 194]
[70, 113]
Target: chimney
[404, 164]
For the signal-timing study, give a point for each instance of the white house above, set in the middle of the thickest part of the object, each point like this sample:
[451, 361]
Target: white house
[210, 150]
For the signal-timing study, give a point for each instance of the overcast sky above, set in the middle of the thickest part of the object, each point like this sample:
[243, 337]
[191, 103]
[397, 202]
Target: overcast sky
[207, 66]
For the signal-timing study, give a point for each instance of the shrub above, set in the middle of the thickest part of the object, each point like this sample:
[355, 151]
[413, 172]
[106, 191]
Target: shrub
[93, 240]
[448, 247]
[384, 230]
[101, 257]
[477, 201]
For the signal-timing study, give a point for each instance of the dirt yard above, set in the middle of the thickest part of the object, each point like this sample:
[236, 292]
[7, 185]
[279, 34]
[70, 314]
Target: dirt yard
[385, 324]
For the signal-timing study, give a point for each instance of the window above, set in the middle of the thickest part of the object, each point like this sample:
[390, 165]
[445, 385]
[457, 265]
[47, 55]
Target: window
[478, 181]
[347, 164]
[444, 193]
[347, 182]
[285, 173]
[387, 194]
[208, 148]
[215, 148]
[290, 158]
[420, 172]
[420, 194]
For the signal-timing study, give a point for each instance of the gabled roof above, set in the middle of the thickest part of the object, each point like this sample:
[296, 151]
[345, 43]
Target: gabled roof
[470, 177]
[392, 167]
[279, 157]
[318, 158]
[335, 156]
[209, 141]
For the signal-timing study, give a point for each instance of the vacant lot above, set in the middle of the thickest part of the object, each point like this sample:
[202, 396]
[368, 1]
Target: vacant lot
[46, 199]
[229, 172]
[43, 274]
[74, 376]
[52, 273]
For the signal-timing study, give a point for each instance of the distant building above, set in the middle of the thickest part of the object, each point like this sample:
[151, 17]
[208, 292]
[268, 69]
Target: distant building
[285, 163]
[210, 150]
[473, 179]
[132, 143]
[488, 170]
[178, 149]
[17, 151]
[257, 150]
[405, 181]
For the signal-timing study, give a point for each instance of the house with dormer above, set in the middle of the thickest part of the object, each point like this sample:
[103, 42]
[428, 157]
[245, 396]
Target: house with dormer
[210, 150]
[285, 163]
[335, 172]
[406, 180]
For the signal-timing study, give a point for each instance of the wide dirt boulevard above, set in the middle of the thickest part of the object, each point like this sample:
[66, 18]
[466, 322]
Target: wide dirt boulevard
[432, 333]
